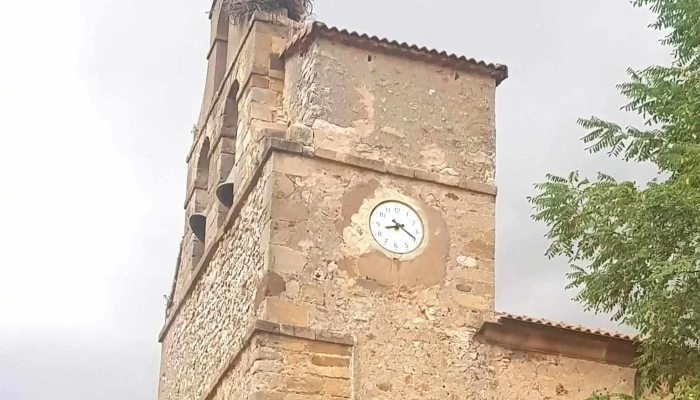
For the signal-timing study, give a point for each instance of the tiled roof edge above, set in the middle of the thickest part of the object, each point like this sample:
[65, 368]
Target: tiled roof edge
[302, 39]
[562, 325]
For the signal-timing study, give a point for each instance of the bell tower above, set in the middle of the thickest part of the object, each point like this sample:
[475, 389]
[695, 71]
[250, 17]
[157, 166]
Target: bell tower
[340, 207]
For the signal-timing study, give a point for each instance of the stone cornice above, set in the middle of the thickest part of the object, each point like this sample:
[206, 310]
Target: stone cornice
[272, 145]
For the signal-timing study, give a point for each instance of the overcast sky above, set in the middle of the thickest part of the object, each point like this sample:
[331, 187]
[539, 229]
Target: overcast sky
[97, 99]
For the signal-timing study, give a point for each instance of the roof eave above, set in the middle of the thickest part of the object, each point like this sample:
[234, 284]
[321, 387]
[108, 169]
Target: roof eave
[303, 39]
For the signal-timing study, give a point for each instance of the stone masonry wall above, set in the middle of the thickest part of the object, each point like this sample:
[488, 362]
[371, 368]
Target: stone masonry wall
[414, 320]
[525, 376]
[278, 367]
[214, 317]
[391, 108]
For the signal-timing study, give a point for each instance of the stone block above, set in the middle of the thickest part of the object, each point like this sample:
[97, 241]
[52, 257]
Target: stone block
[336, 387]
[291, 165]
[263, 96]
[285, 312]
[300, 133]
[329, 348]
[297, 359]
[333, 337]
[286, 145]
[303, 384]
[286, 261]
[266, 366]
[227, 145]
[327, 361]
[278, 45]
[264, 129]
[259, 111]
[266, 353]
[277, 85]
[329, 372]
[267, 396]
[362, 162]
[427, 176]
[479, 187]
[473, 302]
[288, 210]
[222, 168]
[401, 170]
[283, 343]
[449, 180]
[297, 331]
[328, 154]
[259, 81]
[311, 293]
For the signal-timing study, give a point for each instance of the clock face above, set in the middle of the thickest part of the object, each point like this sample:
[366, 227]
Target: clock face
[396, 227]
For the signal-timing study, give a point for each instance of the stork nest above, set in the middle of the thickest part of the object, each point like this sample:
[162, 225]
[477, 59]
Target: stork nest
[240, 10]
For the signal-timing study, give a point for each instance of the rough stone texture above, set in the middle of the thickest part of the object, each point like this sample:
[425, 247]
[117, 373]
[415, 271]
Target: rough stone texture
[401, 310]
[213, 320]
[389, 108]
[239, 112]
[351, 129]
[279, 367]
[525, 376]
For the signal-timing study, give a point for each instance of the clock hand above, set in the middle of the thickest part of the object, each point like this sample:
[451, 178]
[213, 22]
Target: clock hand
[409, 233]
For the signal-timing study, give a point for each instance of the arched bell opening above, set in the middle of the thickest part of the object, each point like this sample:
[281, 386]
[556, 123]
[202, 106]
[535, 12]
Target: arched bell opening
[224, 192]
[198, 220]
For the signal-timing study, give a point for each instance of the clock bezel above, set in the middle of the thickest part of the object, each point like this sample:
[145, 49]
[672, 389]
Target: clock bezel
[420, 220]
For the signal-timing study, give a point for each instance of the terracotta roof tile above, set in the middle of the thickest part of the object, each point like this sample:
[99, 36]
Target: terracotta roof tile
[302, 39]
[577, 328]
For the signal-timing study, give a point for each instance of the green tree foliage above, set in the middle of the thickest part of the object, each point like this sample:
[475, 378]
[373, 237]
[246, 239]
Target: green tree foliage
[634, 249]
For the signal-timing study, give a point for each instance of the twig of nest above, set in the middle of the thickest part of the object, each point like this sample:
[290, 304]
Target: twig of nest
[240, 10]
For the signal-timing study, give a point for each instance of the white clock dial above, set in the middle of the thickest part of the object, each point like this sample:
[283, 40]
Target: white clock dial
[396, 227]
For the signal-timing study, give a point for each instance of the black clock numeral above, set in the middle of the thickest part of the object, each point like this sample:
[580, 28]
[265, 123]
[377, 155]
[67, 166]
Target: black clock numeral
[415, 240]
[379, 233]
[397, 210]
[396, 245]
[383, 215]
[406, 243]
[414, 222]
[417, 232]
[378, 224]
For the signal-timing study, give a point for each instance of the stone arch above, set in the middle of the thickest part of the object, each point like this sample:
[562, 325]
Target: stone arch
[230, 115]
[202, 175]
[229, 128]
[221, 48]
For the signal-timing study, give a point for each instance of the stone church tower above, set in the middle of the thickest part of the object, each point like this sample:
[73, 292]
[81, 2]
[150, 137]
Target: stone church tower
[340, 232]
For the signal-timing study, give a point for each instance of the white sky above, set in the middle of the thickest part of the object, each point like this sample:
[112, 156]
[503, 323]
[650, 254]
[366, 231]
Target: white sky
[97, 99]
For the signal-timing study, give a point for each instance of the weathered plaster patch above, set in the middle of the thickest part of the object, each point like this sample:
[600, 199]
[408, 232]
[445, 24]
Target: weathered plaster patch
[365, 259]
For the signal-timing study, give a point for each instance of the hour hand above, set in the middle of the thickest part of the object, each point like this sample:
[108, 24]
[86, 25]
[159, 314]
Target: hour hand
[392, 227]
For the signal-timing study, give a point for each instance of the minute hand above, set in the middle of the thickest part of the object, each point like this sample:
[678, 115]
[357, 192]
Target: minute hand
[409, 233]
